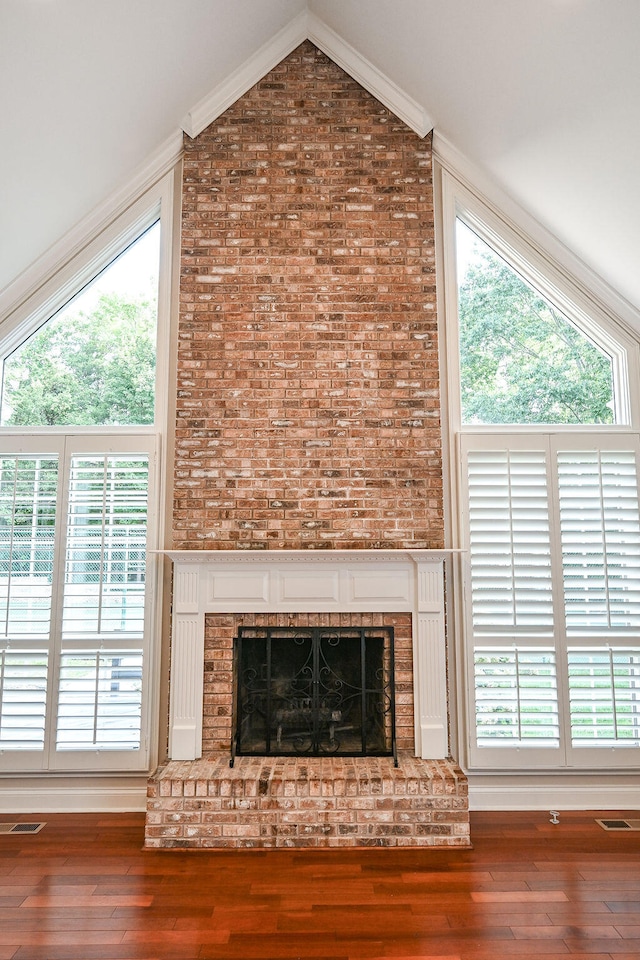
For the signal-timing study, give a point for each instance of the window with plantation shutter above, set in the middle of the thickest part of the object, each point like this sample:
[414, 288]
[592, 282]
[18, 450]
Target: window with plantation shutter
[516, 696]
[600, 530]
[543, 400]
[23, 698]
[100, 700]
[553, 611]
[105, 548]
[604, 693]
[509, 539]
[82, 423]
[74, 631]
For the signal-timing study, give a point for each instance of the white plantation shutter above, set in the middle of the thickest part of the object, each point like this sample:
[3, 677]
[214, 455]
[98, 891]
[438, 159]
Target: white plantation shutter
[509, 539]
[74, 630]
[554, 602]
[106, 547]
[604, 691]
[28, 492]
[600, 529]
[100, 683]
[516, 696]
[100, 700]
[23, 699]
[101, 665]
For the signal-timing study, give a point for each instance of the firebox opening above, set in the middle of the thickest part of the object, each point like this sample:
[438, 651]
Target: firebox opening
[314, 691]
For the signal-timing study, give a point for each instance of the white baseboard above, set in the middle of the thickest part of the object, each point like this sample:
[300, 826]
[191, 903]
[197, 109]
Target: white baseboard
[73, 799]
[497, 795]
[550, 796]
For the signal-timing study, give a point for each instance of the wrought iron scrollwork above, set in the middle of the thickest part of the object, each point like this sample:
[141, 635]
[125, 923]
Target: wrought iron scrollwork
[314, 691]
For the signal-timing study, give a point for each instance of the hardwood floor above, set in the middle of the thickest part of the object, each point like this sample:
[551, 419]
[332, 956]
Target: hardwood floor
[84, 888]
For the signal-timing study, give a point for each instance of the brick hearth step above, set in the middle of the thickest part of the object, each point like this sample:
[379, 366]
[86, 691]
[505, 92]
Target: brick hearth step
[314, 802]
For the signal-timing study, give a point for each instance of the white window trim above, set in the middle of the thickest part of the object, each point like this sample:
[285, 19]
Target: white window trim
[453, 199]
[158, 202]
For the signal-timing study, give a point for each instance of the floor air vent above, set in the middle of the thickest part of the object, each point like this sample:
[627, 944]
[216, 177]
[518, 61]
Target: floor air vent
[619, 824]
[21, 827]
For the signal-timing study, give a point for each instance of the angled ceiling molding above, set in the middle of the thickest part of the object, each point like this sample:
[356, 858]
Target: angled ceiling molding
[481, 184]
[368, 76]
[306, 26]
[53, 260]
[242, 79]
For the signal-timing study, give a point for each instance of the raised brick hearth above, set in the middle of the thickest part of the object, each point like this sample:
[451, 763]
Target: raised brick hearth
[337, 802]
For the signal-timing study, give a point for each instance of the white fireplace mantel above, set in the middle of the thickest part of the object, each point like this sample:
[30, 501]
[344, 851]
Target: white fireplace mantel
[308, 581]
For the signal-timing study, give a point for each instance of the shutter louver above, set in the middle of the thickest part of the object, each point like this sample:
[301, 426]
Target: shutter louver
[23, 699]
[600, 531]
[604, 694]
[106, 545]
[516, 696]
[509, 539]
[99, 704]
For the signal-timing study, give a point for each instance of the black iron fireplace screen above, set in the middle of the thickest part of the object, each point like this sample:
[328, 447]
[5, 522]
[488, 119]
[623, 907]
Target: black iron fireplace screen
[314, 691]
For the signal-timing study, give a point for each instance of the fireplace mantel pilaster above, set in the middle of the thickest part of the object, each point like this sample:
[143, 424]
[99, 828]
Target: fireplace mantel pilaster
[304, 581]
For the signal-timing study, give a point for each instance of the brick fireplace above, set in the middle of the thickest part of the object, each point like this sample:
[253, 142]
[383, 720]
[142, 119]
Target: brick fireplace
[308, 473]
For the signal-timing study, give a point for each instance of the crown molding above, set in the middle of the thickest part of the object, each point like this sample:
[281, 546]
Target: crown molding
[236, 85]
[369, 76]
[27, 283]
[307, 26]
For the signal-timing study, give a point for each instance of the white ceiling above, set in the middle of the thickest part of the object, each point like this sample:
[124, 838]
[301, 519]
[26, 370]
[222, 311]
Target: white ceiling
[541, 97]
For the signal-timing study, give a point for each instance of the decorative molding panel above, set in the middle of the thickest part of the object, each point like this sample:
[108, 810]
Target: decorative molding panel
[186, 591]
[386, 587]
[185, 727]
[309, 587]
[228, 587]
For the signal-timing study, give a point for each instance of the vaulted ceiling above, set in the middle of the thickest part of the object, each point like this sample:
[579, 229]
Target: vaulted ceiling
[542, 99]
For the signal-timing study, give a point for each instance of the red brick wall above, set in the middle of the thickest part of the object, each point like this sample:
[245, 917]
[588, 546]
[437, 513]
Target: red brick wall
[308, 399]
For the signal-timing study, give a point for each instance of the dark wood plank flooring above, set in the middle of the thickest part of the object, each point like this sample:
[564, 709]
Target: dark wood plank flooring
[84, 888]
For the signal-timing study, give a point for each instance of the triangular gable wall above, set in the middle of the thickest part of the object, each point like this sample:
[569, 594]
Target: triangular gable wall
[308, 377]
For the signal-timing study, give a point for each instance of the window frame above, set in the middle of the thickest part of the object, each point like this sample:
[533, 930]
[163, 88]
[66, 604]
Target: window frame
[157, 203]
[65, 447]
[564, 287]
[554, 285]
[557, 636]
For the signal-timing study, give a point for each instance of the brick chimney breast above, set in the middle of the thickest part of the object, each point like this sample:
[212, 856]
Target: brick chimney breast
[308, 411]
